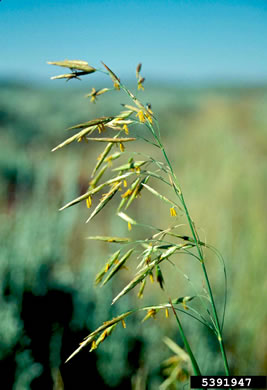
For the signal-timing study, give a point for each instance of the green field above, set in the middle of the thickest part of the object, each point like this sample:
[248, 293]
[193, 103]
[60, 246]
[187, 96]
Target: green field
[217, 140]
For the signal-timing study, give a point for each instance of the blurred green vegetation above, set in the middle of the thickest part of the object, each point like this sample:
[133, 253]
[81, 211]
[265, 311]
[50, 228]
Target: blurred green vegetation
[216, 138]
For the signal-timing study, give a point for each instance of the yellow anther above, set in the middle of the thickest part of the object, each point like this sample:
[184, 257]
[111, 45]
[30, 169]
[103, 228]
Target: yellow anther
[125, 128]
[173, 212]
[141, 116]
[122, 148]
[126, 194]
[89, 202]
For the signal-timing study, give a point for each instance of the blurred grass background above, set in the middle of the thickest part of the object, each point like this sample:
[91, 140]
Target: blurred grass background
[216, 138]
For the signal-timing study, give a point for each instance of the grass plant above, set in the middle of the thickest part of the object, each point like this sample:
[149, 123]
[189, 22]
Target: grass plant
[125, 175]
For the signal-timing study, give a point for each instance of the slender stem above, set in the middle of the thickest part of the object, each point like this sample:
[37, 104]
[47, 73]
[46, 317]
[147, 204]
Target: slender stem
[219, 333]
[186, 344]
[218, 328]
[201, 258]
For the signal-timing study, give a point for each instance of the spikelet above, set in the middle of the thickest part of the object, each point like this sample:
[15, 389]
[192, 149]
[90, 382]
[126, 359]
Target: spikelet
[151, 313]
[89, 339]
[119, 264]
[138, 69]
[114, 78]
[104, 201]
[94, 94]
[116, 240]
[74, 65]
[159, 276]
[102, 157]
[107, 266]
[141, 290]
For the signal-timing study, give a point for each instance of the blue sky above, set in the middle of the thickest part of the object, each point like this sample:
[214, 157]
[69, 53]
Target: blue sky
[175, 40]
